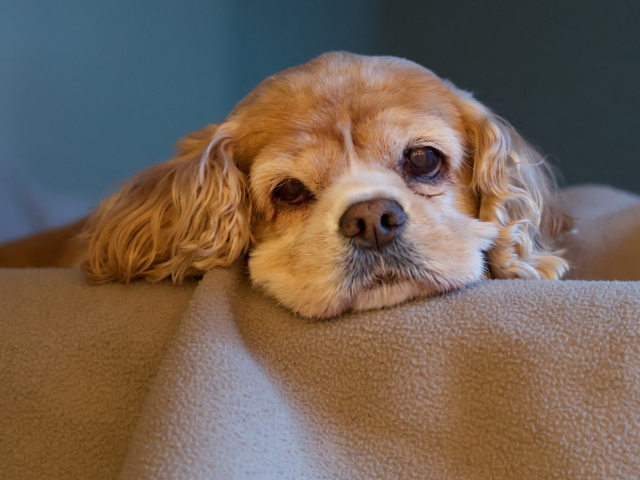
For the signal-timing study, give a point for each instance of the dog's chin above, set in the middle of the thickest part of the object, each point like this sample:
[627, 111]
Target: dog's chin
[385, 293]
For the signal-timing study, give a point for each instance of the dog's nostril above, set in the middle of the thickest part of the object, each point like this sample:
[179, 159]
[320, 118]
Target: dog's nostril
[393, 219]
[374, 223]
[385, 221]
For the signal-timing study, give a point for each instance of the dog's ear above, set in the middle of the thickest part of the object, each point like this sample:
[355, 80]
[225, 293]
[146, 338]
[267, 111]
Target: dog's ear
[176, 219]
[517, 191]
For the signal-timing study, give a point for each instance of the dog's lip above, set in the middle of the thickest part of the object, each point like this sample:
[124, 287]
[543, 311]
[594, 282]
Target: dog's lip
[384, 278]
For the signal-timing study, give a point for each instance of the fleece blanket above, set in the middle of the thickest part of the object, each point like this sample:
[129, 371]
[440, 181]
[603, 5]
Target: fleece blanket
[504, 380]
[508, 379]
[75, 365]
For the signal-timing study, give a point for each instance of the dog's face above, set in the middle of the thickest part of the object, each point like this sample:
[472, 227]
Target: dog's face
[354, 183]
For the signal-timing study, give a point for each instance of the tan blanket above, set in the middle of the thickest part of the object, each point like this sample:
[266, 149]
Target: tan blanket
[507, 379]
[75, 365]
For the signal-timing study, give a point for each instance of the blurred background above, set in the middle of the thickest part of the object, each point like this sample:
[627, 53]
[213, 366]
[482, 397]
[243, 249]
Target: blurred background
[93, 92]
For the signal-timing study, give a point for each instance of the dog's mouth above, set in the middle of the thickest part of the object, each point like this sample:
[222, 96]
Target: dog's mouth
[387, 288]
[384, 278]
[369, 271]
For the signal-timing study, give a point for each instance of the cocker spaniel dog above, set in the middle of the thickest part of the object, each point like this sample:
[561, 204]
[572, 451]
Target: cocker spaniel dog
[352, 182]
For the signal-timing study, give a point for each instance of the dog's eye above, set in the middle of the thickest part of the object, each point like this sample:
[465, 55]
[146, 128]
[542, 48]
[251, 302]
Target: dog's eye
[291, 191]
[424, 162]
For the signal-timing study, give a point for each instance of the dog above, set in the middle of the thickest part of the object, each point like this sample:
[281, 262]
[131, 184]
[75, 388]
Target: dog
[352, 183]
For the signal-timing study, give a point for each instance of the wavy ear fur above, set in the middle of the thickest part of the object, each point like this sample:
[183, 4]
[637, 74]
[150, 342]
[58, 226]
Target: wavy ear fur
[176, 219]
[517, 191]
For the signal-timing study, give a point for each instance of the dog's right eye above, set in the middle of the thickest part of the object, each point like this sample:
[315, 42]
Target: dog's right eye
[292, 191]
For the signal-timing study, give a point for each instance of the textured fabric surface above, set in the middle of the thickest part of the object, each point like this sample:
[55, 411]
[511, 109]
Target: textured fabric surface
[506, 379]
[75, 364]
[606, 243]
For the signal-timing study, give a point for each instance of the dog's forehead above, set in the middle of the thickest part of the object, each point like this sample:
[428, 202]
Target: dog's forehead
[315, 102]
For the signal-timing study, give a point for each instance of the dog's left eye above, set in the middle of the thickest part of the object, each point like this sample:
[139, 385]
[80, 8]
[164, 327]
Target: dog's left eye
[291, 191]
[424, 162]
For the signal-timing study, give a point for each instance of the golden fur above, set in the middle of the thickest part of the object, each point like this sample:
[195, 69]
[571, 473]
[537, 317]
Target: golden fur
[339, 124]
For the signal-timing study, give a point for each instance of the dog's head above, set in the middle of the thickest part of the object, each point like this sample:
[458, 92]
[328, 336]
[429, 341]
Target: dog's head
[353, 182]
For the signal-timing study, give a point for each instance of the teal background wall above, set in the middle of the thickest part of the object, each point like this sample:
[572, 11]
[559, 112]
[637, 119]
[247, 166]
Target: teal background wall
[566, 73]
[92, 92]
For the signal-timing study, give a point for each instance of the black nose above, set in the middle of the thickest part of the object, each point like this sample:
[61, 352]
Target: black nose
[374, 223]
